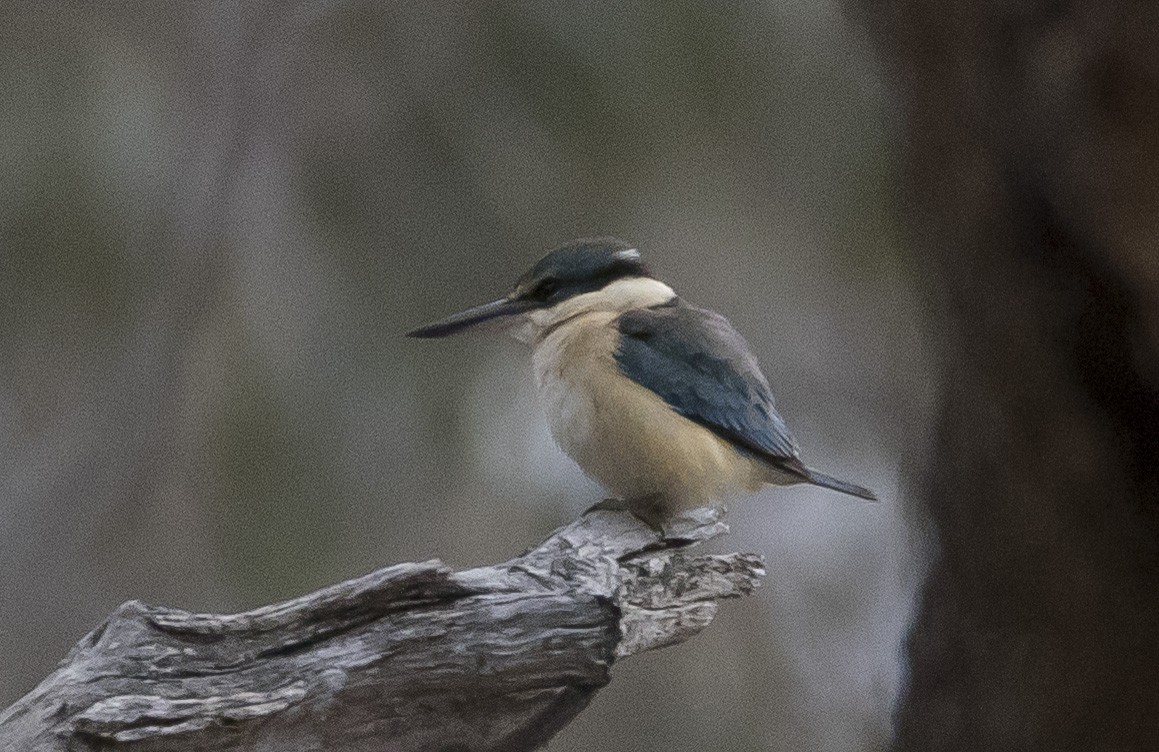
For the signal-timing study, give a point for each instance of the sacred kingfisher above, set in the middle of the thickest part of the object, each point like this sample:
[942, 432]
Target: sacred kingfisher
[659, 401]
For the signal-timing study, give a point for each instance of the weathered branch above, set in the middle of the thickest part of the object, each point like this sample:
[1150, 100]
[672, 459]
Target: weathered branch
[411, 657]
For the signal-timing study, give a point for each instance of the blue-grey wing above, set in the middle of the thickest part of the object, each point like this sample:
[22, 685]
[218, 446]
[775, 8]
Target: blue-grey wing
[698, 364]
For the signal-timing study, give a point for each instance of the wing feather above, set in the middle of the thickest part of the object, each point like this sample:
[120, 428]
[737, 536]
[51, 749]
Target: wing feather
[698, 364]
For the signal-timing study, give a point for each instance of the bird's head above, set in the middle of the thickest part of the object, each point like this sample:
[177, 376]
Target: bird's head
[584, 274]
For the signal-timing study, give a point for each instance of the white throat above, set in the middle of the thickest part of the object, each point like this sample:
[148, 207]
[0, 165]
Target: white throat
[616, 297]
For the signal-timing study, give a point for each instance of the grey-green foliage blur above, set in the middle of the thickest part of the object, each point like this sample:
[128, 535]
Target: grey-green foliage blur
[216, 222]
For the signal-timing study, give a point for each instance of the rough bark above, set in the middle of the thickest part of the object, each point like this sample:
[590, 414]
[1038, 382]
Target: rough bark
[1031, 143]
[411, 657]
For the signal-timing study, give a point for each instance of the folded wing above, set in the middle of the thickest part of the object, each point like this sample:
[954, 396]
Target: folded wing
[704, 370]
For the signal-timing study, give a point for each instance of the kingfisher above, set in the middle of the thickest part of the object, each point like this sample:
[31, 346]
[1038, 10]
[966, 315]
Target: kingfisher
[659, 401]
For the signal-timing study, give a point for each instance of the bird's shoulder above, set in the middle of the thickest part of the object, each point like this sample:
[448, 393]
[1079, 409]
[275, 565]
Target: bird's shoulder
[682, 329]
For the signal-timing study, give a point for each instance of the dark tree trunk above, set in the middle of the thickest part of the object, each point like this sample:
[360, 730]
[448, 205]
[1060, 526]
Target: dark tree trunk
[1030, 137]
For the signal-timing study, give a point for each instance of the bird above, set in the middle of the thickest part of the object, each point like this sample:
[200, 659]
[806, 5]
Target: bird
[659, 401]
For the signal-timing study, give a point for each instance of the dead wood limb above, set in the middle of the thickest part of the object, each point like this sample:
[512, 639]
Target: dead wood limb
[411, 657]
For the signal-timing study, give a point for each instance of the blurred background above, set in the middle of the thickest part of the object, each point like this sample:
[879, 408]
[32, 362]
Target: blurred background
[217, 222]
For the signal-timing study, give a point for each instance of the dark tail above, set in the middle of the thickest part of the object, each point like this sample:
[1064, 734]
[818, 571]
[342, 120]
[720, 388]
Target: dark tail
[828, 481]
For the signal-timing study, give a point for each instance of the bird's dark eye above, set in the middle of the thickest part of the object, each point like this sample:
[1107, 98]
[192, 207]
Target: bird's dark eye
[546, 288]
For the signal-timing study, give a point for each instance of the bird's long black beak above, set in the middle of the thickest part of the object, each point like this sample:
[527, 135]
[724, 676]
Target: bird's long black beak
[462, 320]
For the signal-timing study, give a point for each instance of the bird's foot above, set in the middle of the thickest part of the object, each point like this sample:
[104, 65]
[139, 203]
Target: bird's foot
[693, 526]
[608, 505]
[685, 528]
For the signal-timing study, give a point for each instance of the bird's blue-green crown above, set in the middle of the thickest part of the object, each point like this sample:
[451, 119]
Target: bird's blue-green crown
[580, 266]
